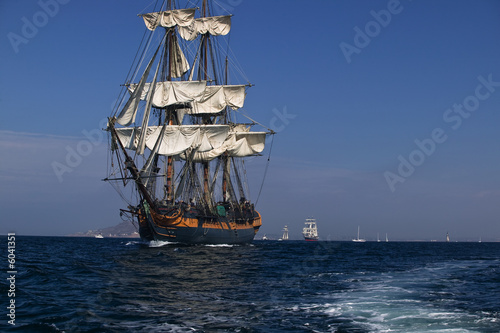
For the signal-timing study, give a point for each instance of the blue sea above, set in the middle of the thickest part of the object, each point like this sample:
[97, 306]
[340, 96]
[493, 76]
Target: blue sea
[67, 284]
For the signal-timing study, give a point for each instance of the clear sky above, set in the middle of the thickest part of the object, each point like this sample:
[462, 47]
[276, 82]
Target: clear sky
[387, 113]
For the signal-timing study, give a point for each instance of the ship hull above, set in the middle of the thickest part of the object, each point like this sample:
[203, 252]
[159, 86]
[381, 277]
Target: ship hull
[188, 228]
[200, 235]
[307, 239]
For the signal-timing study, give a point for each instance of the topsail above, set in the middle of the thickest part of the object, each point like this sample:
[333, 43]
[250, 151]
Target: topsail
[205, 99]
[169, 18]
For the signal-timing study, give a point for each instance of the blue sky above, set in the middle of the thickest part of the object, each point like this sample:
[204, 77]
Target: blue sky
[349, 86]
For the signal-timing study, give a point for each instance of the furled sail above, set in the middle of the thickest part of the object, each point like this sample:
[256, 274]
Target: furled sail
[129, 137]
[248, 144]
[172, 92]
[169, 18]
[237, 144]
[205, 99]
[216, 26]
[175, 139]
[178, 63]
[216, 98]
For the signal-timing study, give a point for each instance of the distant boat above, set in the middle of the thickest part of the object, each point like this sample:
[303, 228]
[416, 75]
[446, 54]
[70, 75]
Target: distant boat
[98, 236]
[265, 237]
[285, 234]
[310, 230]
[386, 239]
[378, 238]
[480, 241]
[359, 239]
[447, 237]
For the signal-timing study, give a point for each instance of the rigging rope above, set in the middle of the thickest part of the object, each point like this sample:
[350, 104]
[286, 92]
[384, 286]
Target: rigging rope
[265, 170]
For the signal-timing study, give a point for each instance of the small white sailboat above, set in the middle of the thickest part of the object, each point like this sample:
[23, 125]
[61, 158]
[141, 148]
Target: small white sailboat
[98, 236]
[285, 234]
[386, 239]
[359, 239]
[378, 238]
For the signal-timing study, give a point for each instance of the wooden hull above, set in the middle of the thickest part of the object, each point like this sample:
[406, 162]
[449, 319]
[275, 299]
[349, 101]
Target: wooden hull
[190, 228]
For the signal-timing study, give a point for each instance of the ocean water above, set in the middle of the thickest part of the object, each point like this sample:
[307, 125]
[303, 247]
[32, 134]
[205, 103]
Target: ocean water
[121, 285]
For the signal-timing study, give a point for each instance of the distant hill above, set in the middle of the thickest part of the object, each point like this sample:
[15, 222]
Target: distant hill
[123, 230]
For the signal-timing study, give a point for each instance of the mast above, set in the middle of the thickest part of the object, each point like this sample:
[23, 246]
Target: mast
[169, 114]
[129, 163]
[225, 159]
[206, 119]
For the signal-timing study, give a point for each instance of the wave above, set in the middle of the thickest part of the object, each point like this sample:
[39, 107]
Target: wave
[160, 243]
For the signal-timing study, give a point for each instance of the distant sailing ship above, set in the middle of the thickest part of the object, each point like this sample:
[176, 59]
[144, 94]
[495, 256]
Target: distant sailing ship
[359, 239]
[285, 234]
[310, 230]
[174, 136]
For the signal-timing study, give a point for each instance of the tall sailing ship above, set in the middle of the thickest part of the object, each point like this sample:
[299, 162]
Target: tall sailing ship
[285, 234]
[175, 141]
[310, 231]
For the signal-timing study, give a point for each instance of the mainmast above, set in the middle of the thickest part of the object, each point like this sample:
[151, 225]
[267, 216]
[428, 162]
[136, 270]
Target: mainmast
[225, 160]
[169, 112]
[206, 119]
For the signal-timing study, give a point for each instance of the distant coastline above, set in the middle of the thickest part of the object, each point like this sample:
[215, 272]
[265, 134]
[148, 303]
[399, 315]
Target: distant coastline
[122, 230]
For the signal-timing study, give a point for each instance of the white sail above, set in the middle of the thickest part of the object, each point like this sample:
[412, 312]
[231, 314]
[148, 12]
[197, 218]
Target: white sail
[216, 98]
[248, 144]
[360, 240]
[148, 166]
[129, 137]
[175, 139]
[173, 92]
[310, 230]
[128, 113]
[169, 18]
[178, 63]
[205, 99]
[237, 144]
[216, 26]
[145, 119]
